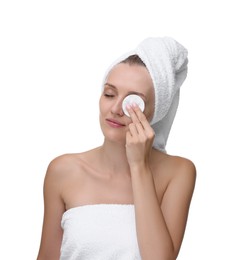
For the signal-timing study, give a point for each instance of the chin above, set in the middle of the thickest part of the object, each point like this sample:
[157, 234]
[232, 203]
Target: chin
[114, 136]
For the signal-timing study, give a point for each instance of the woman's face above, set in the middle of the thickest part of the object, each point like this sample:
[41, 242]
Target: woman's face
[123, 80]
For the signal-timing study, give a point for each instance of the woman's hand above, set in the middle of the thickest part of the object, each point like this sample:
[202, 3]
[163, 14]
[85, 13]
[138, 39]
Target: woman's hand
[139, 138]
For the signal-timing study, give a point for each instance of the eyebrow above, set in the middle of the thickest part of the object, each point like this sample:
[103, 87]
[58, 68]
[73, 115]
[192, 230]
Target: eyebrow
[130, 92]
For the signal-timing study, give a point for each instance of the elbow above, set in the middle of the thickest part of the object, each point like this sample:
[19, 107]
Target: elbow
[171, 256]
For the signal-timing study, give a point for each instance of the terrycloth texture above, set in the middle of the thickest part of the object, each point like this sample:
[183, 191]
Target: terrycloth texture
[100, 232]
[166, 61]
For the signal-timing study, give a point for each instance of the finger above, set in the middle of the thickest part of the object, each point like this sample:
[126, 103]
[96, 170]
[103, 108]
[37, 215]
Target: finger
[137, 131]
[145, 125]
[133, 129]
[141, 117]
[133, 114]
[140, 129]
[141, 123]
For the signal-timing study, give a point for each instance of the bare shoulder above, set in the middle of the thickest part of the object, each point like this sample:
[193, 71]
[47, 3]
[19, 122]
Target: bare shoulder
[60, 170]
[176, 165]
[184, 169]
[181, 165]
[183, 177]
[62, 164]
[175, 170]
[71, 166]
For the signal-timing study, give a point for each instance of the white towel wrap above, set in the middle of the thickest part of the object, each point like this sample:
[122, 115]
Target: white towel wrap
[100, 232]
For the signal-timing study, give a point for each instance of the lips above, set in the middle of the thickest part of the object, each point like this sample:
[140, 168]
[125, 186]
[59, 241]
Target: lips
[114, 123]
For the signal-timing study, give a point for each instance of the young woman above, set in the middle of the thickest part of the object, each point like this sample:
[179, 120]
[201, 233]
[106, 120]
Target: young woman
[127, 199]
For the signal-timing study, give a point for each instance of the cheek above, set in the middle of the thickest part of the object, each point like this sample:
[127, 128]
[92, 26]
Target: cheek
[149, 109]
[149, 112]
[101, 112]
[101, 105]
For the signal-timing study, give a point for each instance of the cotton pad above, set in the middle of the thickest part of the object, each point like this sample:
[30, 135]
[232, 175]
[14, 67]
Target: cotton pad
[130, 100]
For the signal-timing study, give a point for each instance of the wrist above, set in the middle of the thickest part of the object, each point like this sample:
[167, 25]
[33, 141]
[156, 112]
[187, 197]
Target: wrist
[139, 167]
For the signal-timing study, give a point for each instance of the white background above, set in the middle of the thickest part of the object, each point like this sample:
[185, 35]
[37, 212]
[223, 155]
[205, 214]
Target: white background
[53, 55]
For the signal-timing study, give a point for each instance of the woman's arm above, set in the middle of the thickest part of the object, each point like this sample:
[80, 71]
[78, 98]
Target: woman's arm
[53, 209]
[160, 228]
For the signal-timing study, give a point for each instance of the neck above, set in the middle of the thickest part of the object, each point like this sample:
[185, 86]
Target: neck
[113, 156]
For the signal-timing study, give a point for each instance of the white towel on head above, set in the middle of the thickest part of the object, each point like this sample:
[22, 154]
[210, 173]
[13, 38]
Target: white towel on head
[166, 61]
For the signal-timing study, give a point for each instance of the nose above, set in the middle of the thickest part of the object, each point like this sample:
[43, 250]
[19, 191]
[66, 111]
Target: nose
[117, 108]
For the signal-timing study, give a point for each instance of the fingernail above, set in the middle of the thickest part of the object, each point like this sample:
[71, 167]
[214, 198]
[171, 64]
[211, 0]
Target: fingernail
[128, 106]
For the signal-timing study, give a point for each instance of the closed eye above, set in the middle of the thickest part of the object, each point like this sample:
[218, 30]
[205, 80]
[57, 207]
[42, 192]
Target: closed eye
[108, 95]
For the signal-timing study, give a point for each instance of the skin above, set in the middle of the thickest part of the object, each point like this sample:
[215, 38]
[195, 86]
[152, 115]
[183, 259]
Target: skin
[159, 185]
